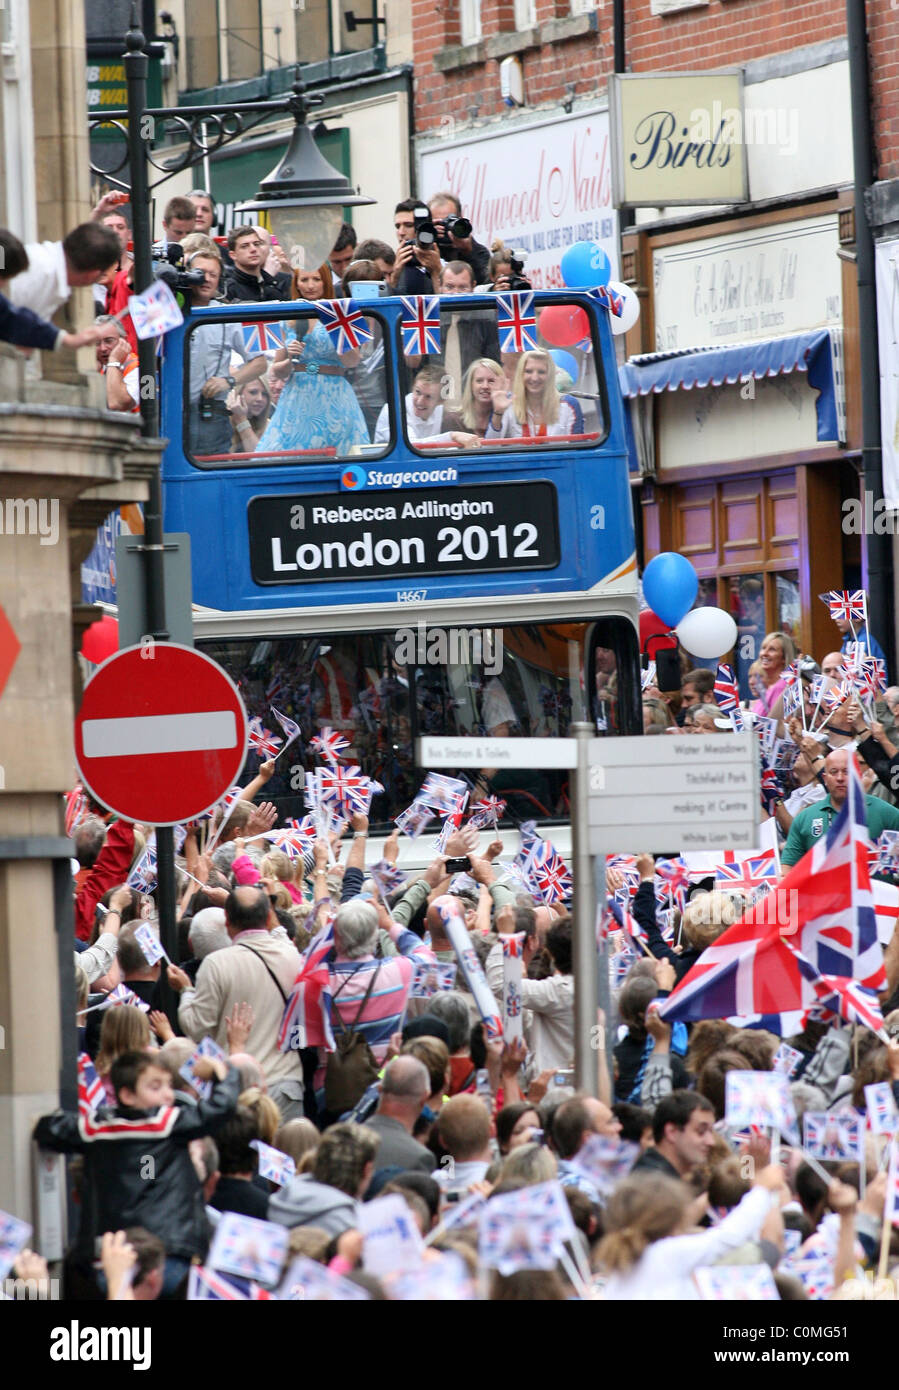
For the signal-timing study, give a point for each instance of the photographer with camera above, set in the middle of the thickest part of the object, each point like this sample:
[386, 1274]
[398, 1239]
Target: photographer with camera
[417, 268]
[505, 270]
[454, 239]
[211, 347]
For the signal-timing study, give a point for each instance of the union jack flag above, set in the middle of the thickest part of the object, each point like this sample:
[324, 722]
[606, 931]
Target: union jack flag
[749, 873]
[122, 995]
[608, 299]
[208, 1286]
[549, 874]
[849, 605]
[345, 786]
[421, 325]
[262, 337]
[306, 1021]
[91, 1091]
[346, 327]
[837, 695]
[771, 789]
[290, 726]
[515, 321]
[328, 744]
[792, 698]
[486, 812]
[620, 918]
[675, 878]
[442, 793]
[849, 1000]
[763, 965]
[296, 837]
[884, 855]
[262, 740]
[726, 691]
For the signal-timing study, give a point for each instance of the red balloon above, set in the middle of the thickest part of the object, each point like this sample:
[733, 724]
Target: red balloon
[100, 640]
[652, 627]
[563, 325]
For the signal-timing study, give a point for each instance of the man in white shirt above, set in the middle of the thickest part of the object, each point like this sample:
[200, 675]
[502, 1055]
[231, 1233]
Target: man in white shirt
[55, 268]
[464, 1130]
[424, 409]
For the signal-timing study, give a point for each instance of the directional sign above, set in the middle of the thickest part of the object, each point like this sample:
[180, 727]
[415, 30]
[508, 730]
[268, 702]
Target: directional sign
[10, 646]
[696, 792]
[497, 752]
[161, 734]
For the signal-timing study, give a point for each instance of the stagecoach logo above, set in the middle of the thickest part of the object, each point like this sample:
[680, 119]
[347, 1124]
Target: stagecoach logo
[354, 477]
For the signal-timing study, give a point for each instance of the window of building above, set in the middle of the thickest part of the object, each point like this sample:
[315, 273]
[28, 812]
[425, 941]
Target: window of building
[470, 20]
[201, 44]
[525, 14]
[244, 39]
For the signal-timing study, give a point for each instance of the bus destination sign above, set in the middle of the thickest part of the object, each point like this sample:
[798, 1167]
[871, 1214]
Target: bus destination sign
[506, 526]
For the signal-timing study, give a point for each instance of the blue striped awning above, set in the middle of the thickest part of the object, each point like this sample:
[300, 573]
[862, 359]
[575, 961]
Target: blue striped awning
[819, 353]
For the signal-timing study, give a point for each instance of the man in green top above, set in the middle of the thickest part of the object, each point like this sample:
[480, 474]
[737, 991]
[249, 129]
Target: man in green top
[815, 820]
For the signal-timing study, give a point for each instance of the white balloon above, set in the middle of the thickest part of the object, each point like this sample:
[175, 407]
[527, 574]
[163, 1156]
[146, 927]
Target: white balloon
[707, 632]
[630, 313]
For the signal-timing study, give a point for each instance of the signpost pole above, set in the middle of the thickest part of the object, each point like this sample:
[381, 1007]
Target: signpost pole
[585, 958]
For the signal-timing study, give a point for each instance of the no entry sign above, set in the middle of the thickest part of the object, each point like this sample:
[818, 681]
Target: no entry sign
[161, 734]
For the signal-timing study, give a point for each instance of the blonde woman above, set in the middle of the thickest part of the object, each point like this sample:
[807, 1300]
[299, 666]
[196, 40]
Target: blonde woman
[481, 379]
[775, 656]
[125, 1029]
[649, 1249]
[533, 409]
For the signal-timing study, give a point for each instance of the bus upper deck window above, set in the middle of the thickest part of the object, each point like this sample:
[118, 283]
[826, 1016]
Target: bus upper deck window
[476, 392]
[282, 391]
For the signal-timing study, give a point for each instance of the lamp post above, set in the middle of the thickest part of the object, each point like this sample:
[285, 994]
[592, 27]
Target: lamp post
[305, 195]
[309, 196]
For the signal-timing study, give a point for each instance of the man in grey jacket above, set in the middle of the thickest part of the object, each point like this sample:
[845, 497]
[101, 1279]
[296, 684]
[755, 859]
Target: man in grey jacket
[329, 1196]
[404, 1090]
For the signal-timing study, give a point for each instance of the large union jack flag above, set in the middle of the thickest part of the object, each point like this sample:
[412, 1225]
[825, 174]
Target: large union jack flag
[515, 321]
[346, 326]
[263, 337]
[421, 324]
[306, 1021]
[848, 605]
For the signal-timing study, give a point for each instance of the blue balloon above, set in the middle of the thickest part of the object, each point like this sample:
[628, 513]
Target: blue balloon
[565, 362]
[585, 266]
[670, 585]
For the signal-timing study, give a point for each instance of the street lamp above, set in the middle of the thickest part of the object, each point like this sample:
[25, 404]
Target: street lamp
[305, 195]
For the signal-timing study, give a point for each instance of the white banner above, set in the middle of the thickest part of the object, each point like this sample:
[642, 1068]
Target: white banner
[887, 278]
[539, 188]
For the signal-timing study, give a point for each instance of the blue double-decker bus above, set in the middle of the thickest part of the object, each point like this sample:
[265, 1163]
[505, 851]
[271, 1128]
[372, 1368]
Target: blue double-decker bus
[406, 531]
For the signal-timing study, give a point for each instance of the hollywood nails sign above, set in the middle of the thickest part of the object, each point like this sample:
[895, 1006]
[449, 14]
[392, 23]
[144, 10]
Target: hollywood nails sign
[673, 139]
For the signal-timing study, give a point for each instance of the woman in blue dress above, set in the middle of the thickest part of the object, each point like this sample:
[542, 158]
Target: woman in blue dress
[318, 407]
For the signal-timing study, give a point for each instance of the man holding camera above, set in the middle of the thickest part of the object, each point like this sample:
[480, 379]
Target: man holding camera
[454, 239]
[211, 378]
[417, 268]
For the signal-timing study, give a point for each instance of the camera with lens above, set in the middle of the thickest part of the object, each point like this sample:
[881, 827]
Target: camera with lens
[517, 279]
[168, 266]
[453, 225]
[425, 231]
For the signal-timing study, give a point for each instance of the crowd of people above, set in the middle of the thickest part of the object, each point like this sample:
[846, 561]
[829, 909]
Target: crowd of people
[421, 1087]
